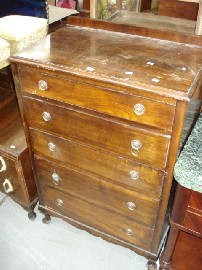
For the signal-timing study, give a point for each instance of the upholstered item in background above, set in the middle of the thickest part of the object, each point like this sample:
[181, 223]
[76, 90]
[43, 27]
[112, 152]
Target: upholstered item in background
[4, 53]
[21, 31]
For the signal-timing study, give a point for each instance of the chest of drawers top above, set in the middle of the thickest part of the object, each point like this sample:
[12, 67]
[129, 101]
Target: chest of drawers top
[130, 64]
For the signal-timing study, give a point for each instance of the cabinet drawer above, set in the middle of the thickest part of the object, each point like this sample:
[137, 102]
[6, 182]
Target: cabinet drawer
[103, 220]
[193, 222]
[99, 192]
[108, 166]
[10, 182]
[100, 133]
[116, 103]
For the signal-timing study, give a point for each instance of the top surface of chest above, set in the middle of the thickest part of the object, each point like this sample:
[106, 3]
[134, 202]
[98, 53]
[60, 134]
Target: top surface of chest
[165, 67]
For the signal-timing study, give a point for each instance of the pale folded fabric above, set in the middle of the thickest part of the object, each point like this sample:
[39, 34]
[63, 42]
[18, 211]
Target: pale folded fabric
[22, 31]
[4, 53]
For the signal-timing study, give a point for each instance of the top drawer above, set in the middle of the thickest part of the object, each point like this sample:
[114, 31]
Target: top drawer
[99, 99]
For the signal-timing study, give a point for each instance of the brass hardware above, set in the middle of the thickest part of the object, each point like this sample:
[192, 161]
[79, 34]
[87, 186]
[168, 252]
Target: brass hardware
[136, 145]
[51, 146]
[134, 175]
[139, 109]
[56, 178]
[43, 86]
[60, 202]
[8, 188]
[46, 116]
[131, 206]
[128, 232]
[3, 167]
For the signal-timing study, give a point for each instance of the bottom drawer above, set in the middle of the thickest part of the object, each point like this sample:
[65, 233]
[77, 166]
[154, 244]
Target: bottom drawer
[98, 218]
[16, 178]
[9, 182]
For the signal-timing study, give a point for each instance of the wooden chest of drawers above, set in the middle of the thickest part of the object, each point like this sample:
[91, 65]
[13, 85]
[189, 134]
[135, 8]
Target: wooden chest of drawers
[104, 113]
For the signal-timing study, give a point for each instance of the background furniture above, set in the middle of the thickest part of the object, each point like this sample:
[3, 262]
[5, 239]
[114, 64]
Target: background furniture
[16, 175]
[104, 125]
[17, 31]
[183, 248]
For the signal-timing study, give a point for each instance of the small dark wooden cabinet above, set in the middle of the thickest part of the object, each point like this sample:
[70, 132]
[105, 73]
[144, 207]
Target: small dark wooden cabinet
[183, 248]
[16, 173]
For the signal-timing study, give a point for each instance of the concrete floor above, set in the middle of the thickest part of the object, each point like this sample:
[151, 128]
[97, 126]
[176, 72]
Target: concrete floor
[32, 245]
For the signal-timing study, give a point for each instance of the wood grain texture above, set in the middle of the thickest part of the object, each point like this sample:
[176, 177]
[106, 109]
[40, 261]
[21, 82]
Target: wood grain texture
[97, 217]
[106, 135]
[120, 104]
[94, 76]
[185, 236]
[178, 9]
[99, 192]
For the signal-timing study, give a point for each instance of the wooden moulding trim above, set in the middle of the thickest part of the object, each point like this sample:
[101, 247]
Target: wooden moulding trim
[135, 30]
[148, 254]
[177, 130]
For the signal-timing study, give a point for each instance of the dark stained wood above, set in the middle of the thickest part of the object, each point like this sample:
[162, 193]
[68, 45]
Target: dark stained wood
[99, 192]
[103, 220]
[13, 148]
[109, 102]
[105, 135]
[133, 30]
[178, 9]
[183, 248]
[94, 78]
[145, 5]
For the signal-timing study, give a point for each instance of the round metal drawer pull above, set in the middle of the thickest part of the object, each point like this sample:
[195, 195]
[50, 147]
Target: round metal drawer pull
[46, 116]
[139, 109]
[128, 232]
[51, 146]
[134, 175]
[7, 186]
[60, 202]
[136, 145]
[131, 206]
[43, 86]
[3, 167]
[56, 178]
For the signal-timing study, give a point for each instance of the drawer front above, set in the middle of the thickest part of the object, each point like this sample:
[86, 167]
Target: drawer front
[101, 133]
[98, 218]
[195, 201]
[107, 101]
[9, 179]
[111, 167]
[99, 192]
[193, 222]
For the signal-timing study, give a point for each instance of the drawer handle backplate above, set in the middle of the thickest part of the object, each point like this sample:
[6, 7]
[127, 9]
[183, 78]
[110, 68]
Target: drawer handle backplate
[60, 202]
[131, 206]
[128, 231]
[56, 178]
[7, 186]
[51, 146]
[134, 175]
[43, 85]
[3, 167]
[136, 146]
[46, 116]
[139, 109]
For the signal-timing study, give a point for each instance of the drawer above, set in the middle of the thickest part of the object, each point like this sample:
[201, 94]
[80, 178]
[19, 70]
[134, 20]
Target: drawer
[115, 103]
[193, 222]
[98, 218]
[118, 169]
[195, 201]
[10, 182]
[101, 133]
[99, 192]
